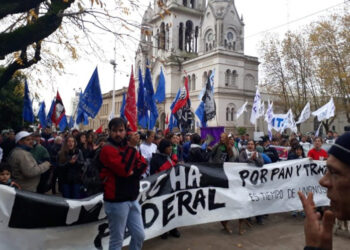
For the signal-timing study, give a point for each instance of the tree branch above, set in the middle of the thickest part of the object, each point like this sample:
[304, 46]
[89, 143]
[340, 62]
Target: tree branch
[8, 7]
[36, 31]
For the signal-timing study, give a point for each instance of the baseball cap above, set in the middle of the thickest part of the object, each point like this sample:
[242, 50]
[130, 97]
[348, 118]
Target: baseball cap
[20, 135]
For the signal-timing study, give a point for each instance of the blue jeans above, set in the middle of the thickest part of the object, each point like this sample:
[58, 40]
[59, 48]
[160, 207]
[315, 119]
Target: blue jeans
[71, 191]
[122, 215]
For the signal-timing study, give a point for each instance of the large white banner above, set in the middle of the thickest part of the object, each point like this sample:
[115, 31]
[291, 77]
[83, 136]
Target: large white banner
[185, 195]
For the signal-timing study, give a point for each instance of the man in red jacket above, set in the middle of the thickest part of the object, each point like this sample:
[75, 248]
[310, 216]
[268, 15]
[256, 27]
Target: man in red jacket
[121, 172]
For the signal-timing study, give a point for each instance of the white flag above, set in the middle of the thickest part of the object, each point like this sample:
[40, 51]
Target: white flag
[262, 109]
[325, 112]
[256, 108]
[305, 114]
[269, 117]
[111, 116]
[290, 122]
[318, 130]
[241, 110]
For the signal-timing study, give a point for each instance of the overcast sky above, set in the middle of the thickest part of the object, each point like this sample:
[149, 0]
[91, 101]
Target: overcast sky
[260, 17]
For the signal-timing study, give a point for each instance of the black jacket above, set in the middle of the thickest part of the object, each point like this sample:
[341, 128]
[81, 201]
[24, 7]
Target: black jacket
[71, 173]
[197, 154]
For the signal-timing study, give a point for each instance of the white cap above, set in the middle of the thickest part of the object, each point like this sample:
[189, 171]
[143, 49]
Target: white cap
[21, 135]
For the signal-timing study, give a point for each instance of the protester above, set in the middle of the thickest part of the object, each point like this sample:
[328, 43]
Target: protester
[319, 232]
[41, 155]
[8, 145]
[163, 161]
[121, 173]
[270, 151]
[25, 170]
[147, 148]
[70, 163]
[196, 153]
[223, 151]
[5, 176]
[266, 158]
[296, 152]
[177, 149]
[250, 155]
[54, 149]
[317, 153]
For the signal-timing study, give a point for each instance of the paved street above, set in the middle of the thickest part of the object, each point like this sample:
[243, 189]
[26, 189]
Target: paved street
[279, 232]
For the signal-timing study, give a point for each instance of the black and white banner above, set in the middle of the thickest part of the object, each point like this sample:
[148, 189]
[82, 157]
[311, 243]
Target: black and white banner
[185, 195]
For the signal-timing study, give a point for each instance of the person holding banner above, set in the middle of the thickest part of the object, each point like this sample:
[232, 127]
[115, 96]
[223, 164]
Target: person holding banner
[163, 161]
[317, 153]
[319, 234]
[122, 168]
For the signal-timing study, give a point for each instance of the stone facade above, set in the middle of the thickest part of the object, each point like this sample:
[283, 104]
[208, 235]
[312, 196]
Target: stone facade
[189, 37]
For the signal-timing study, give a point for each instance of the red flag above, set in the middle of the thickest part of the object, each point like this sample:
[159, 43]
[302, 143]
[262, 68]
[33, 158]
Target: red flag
[99, 130]
[166, 119]
[58, 110]
[184, 96]
[130, 106]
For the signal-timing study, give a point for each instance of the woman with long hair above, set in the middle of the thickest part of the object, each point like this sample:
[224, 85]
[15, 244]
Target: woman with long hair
[70, 161]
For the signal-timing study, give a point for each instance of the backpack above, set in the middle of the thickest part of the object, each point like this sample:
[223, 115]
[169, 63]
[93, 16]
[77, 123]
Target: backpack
[92, 184]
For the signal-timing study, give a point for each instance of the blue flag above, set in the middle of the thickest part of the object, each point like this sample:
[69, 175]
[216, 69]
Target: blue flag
[200, 112]
[63, 123]
[91, 100]
[149, 101]
[42, 115]
[122, 108]
[48, 118]
[160, 93]
[172, 120]
[82, 116]
[71, 122]
[27, 105]
[142, 114]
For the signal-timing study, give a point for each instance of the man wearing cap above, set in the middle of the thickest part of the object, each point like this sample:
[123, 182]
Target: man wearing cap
[25, 170]
[318, 234]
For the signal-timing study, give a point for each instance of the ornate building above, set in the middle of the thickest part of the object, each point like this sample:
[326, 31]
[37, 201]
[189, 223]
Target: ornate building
[189, 36]
[194, 37]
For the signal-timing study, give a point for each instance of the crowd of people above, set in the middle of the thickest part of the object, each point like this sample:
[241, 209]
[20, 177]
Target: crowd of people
[51, 162]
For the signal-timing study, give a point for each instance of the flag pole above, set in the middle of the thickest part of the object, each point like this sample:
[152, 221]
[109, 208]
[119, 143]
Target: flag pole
[114, 64]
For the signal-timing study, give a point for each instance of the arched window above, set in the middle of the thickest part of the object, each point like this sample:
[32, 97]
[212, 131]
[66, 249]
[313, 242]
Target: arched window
[230, 112]
[193, 78]
[192, 4]
[233, 113]
[189, 83]
[234, 78]
[247, 115]
[205, 79]
[209, 40]
[227, 77]
[158, 39]
[167, 37]
[184, 2]
[249, 81]
[189, 36]
[196, 39]
[231, 40]
[181, 32]
[162, 36]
